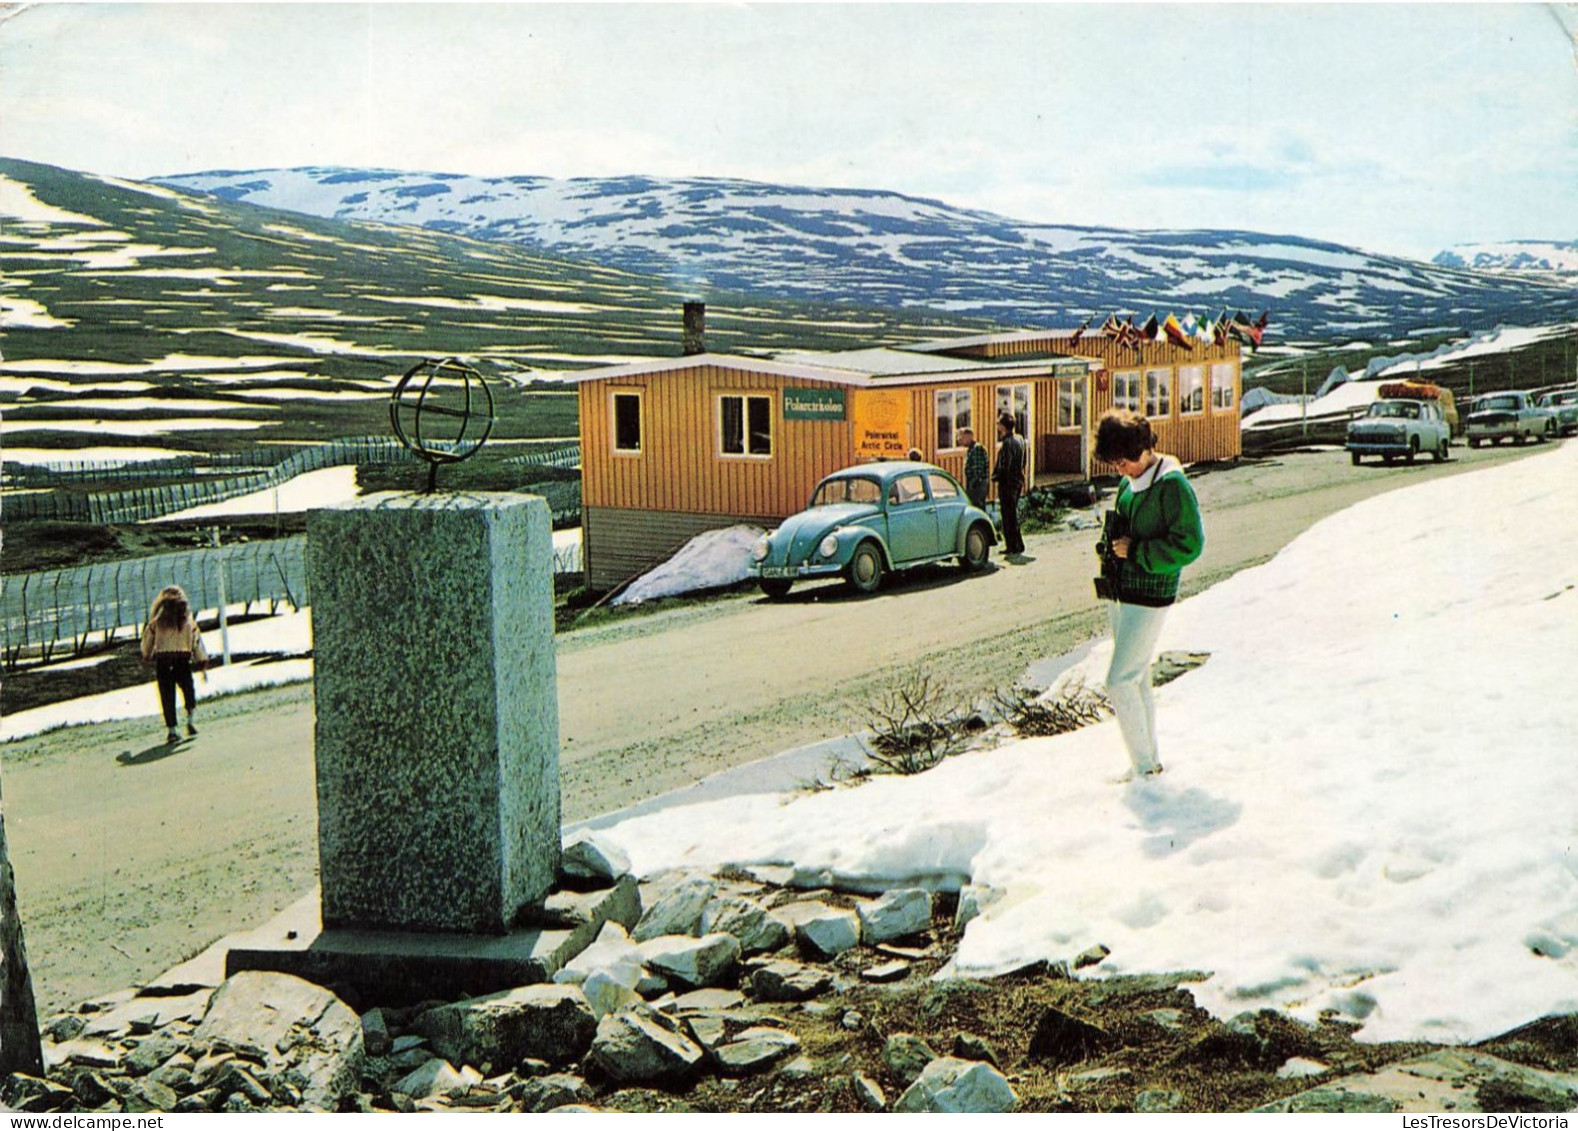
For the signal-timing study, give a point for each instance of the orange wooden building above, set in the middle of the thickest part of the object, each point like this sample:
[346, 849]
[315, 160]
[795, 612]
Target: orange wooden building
[673, 447]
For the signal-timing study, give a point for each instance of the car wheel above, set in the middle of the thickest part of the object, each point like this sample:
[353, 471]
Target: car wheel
[776, 588]
[864, 571]
[1473, 443]
[1354, 457]
[1519, 440]
[977, 548]
[1413, 449]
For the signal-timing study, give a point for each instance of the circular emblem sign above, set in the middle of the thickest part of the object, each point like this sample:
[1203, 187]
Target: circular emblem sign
[442, 411]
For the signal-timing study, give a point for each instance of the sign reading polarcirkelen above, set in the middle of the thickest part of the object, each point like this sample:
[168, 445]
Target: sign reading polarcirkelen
[813, 404]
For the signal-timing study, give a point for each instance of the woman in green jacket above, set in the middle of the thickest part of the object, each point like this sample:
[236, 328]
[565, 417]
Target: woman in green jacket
[1161, 517]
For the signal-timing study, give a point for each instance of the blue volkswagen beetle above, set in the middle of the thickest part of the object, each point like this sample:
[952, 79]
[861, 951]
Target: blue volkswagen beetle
[866, 520]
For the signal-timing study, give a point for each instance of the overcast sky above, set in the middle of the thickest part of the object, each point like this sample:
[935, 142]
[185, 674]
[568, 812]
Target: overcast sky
[1396, 128]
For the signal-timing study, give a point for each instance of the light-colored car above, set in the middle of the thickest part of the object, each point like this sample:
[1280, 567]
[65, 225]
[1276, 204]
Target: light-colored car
[1564, 403]
[864, 521]
[1394, 428]
[1509, 416]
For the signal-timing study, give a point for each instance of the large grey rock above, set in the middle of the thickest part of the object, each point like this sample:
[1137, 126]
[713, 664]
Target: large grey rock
[437, 737]
[692, 962]
[828, 932]
[301, 1034]
[678, 910]
[547, 1022]
[606, 994]
[974, 899]
[587, 856]
[757, 928]
[950, 1085]
[644, 1047]
[612, 952]
[896, 915]
[755, 1050]
[788, 981]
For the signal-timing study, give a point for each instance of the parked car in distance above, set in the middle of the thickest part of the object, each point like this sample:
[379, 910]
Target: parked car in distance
[1564, 403]
[865, 521]
[1509, 416]
[1396, 427]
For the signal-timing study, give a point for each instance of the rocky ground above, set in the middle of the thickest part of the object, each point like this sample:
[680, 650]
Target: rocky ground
[733, 994]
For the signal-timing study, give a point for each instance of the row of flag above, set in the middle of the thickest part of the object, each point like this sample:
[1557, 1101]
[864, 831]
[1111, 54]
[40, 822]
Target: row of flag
[1183, 332]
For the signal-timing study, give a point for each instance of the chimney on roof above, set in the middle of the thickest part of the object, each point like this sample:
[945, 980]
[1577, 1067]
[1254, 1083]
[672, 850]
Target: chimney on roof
[695, 339]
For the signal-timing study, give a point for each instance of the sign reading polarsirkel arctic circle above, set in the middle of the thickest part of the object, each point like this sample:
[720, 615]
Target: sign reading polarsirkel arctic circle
[882, 423]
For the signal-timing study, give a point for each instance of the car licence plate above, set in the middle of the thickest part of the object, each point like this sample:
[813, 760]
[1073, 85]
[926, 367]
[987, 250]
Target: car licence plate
[777, 571]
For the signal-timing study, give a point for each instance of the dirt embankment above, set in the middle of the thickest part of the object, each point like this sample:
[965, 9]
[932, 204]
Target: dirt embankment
[130, 858]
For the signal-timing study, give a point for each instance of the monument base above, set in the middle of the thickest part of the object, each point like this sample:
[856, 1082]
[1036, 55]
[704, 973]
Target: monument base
[382, 967]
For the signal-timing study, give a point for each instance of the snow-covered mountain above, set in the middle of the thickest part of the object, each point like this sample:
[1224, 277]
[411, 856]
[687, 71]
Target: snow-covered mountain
[1515, 255]
[884, 249]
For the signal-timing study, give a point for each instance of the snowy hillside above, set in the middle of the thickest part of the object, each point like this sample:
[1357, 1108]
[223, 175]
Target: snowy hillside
[1516, 255]
[884, 249]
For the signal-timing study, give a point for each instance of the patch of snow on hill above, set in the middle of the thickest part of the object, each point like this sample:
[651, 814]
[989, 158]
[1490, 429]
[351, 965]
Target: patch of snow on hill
[1357, 810]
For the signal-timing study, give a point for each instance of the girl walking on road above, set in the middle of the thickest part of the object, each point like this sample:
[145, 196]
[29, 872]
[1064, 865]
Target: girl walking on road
[1161, 517]
[172, 644]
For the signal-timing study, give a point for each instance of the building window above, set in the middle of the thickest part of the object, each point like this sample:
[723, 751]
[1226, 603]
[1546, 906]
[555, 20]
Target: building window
[1126, 390]
[953, 415]
[745, 425]
[1070, 403]
[1015, 400]
[1158, 393]
[1222, 386]
[627, 423]
[1191, 390]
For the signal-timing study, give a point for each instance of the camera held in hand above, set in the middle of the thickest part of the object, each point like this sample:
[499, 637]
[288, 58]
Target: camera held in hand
[1113, 527]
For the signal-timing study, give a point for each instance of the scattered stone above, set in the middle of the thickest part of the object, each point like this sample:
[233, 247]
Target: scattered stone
[974, 899]
[755, 1050]
[1158, 1101]
[436, 1077]
[692, 962]
[208, 1066]
[678, 911]
[896, 915]
[566, 909]
[868, 1093]
[551, 1022]
[894, 971]
[644, 1047]
[852, 1020]
[149, 1095]
[708, 1030]
[800, 1068]
[1092, 957]
[204, 1100]
[606, 994]
[93, 1089]
[64, 1027]
[952, 1085]
[375, 1033]
[1064, 1039]
[907, 1056]
[612, 952]
[408, 1041]
[150, 1053]
[758, 929]
[587, 856]
[88, 1054]
[827, 932]
[1171, 1020]
[234, 1080]
[788, 981]
[552, 1092]
[22, 1092]
[289, 1026]
[708, 999]
[967, 1046]
[902, 953]
[174, 1073]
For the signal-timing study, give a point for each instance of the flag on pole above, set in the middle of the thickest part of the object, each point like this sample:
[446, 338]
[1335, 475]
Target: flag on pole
[1175, 332]
[1080, 332]
[1150, 330]
[1219, 329]
[1112, 328]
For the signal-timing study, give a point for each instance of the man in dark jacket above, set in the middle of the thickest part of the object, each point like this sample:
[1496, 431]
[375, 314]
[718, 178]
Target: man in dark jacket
[977, 469]
[1009, 475]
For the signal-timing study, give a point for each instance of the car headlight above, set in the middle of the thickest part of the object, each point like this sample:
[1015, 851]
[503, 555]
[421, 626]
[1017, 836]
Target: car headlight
[759, 551]
[829, 546]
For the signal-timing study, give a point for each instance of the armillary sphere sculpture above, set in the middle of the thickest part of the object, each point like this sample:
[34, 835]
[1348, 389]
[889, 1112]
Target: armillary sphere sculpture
[443, 389]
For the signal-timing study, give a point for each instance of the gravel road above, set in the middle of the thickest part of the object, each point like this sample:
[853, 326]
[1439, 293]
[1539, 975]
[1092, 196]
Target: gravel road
[130, 858]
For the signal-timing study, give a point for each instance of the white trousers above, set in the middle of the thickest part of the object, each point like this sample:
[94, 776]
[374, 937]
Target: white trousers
[1135, 630]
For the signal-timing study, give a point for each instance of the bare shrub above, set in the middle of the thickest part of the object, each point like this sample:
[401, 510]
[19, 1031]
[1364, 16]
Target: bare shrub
[915, 724]
[1076, 705]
